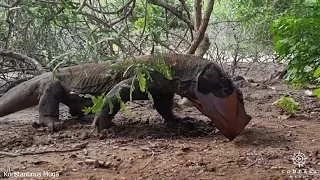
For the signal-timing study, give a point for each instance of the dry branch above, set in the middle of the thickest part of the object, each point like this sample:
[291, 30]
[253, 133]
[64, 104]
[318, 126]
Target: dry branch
[109, 13]
[184, 5]
[22, 58]
[202, 29]
[5, 6]
[198, 10]
[113, 22]
[173, 10]
[76, 148]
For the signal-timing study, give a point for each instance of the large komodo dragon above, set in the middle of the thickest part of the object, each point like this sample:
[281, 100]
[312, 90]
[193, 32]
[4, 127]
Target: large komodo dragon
[198, 79]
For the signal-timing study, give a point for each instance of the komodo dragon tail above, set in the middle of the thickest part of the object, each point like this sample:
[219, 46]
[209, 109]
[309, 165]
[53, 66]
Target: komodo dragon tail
[20, 97]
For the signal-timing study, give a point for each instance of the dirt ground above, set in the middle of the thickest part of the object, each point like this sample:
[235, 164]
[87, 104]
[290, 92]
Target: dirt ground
[143, 147]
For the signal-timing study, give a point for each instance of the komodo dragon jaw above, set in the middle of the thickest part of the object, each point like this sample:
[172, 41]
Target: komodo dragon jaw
[228, 114]
[226, 111]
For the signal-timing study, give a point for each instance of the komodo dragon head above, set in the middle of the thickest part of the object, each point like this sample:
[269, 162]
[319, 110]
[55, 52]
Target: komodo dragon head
[216, 96]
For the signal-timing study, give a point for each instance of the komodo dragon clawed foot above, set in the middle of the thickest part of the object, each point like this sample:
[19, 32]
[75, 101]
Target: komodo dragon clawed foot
[50, 126]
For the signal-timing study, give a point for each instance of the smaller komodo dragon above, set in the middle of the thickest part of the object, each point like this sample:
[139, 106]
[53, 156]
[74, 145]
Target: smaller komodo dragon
[193, 77]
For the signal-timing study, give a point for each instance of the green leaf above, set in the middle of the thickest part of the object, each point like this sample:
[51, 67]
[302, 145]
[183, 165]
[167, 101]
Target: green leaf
[123, 105]
[139, 23]
[142, 81]
[288, 104]
[317, 73]
[150, 96]
[111, 106]
[165, 70]
[316, 92]
[86, 110]
[98, 102]
[132, 87]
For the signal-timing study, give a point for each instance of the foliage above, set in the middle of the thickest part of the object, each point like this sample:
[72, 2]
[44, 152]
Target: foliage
[241, 30]
[97, 103]
[288, 104]
[64, 31]
[297, 37]
[317, 75]
[140, 71]
[250, 20]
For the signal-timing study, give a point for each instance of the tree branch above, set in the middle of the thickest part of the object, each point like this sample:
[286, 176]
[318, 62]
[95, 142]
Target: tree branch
[110, 13]
[198, 12]
[5, 6]
[185, 7]
[113, 22]
[173, 10]
[23, 58]
[202, 28]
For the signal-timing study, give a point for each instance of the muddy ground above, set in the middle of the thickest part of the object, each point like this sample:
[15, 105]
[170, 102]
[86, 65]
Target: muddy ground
[143, 147]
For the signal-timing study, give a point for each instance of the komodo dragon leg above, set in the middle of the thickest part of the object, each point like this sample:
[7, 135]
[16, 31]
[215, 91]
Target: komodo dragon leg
[163, 101]
[49, 103]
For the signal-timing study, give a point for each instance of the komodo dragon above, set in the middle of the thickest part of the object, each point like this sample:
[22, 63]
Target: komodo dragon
[194, 77]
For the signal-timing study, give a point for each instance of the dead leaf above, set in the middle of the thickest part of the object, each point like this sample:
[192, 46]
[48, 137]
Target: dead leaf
[283, 117]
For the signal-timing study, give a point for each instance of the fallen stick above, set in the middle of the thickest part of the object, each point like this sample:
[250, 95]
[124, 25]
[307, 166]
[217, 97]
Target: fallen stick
[77, 148]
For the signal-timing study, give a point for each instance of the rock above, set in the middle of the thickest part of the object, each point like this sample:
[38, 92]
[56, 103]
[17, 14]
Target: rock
[221, 174]
[96, 164]
[85, 151]
[73, 156]
[185, 102]
[130, 160]
[80, 146]
[107, 164]
[145, 148]
[90, 161]
[284, 117]
[85, 136]
[186, 149]
[39, 162]
[211, 169]
[179, 153]
[80, 163]
[309, 93]
[237, 78]
[242, 84]
[254, 84]
[189, 163]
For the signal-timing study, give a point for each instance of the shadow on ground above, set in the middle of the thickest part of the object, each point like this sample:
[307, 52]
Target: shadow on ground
[263, 137]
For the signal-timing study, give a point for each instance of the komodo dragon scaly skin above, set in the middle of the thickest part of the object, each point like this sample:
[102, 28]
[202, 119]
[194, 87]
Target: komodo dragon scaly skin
[48, 90]
[193, 77]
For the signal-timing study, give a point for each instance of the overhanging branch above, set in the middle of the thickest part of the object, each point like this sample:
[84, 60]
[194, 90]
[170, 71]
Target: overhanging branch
[202, 28]
[173, 10]
[23, 58]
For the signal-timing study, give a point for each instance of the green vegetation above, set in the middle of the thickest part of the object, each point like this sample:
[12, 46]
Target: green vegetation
[297, 37]
[97, 103]
[140, 71]
[288, 105]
